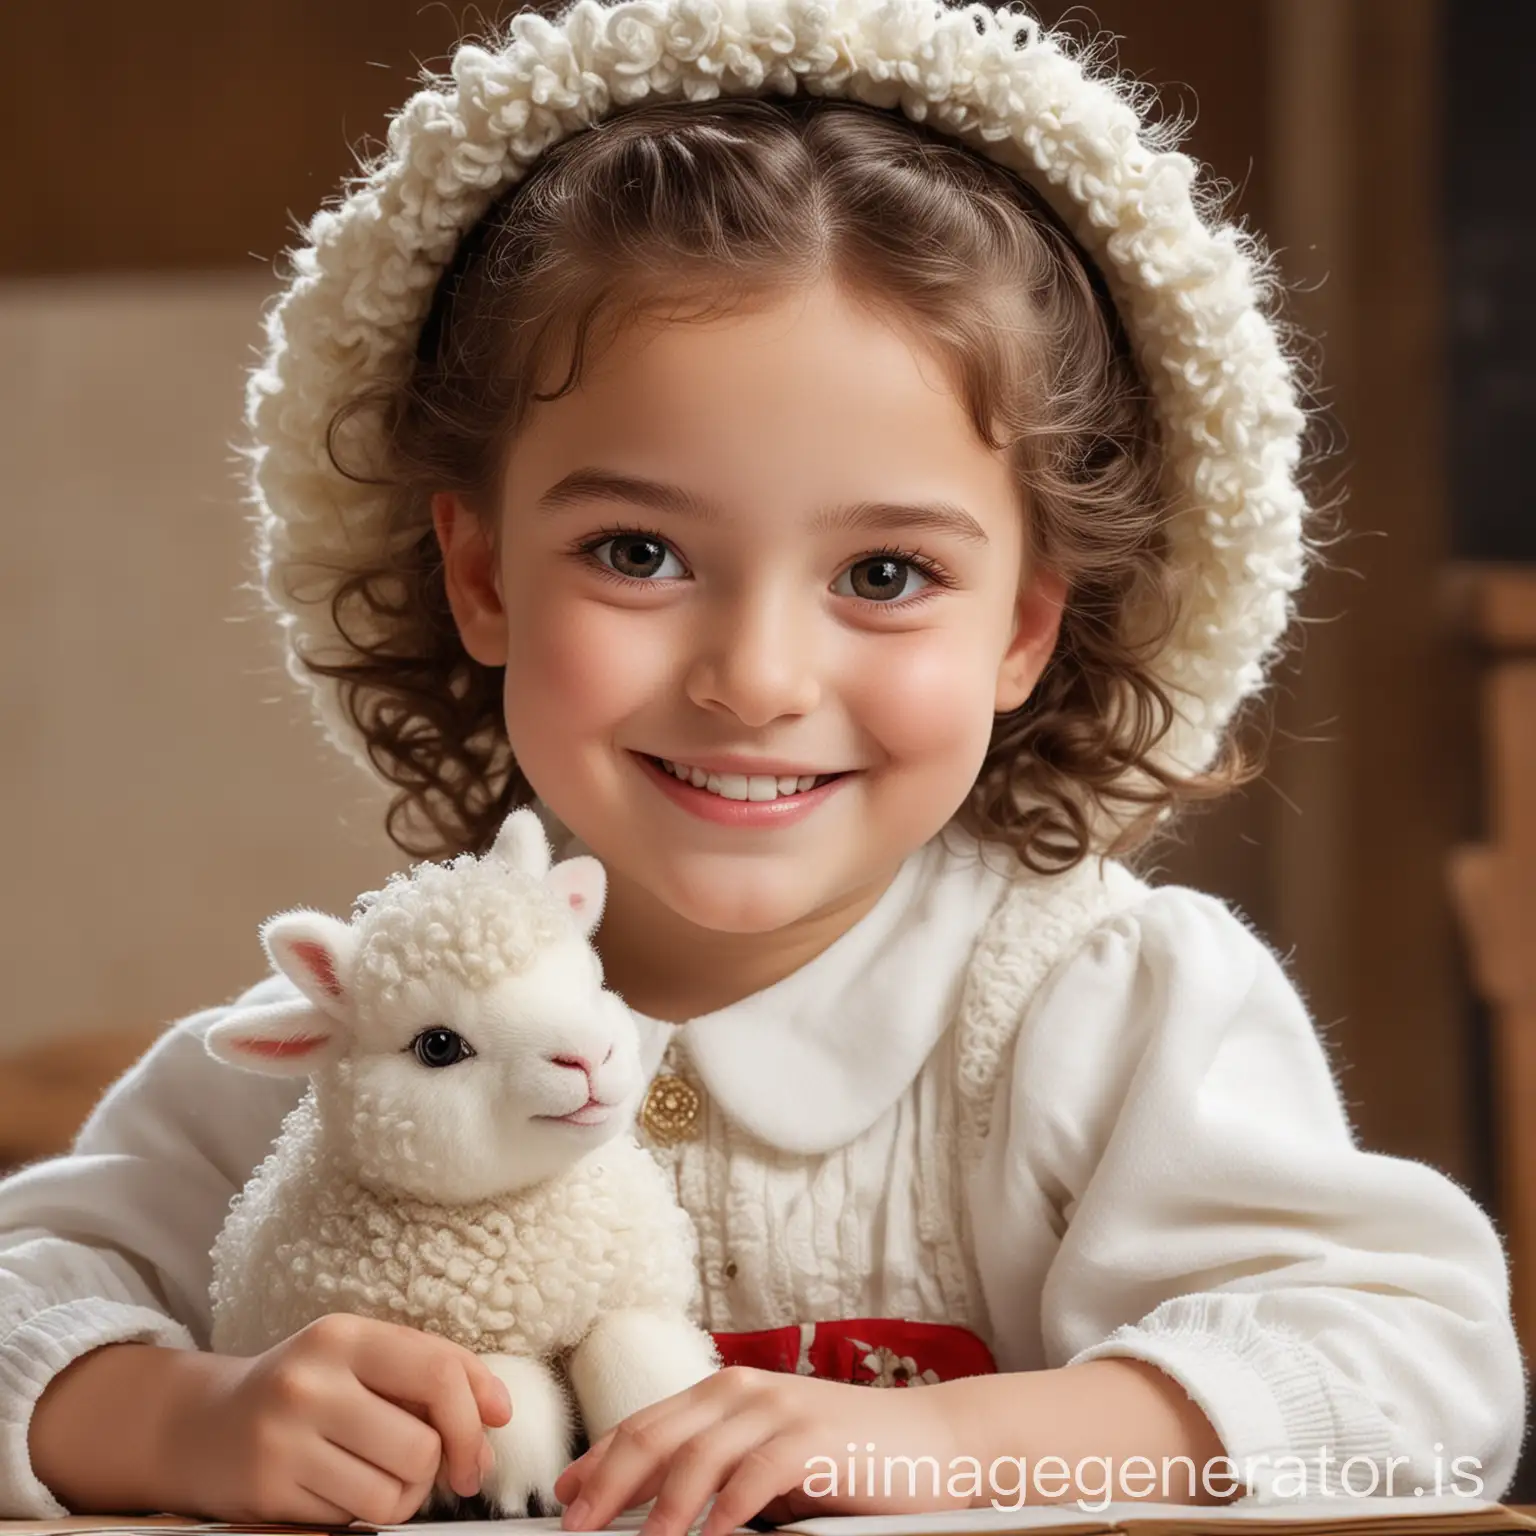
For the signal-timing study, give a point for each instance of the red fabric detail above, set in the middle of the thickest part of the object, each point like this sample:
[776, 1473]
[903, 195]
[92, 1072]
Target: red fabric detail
[877, 1352]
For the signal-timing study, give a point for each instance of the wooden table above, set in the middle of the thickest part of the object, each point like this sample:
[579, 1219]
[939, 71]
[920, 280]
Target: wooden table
[47, 1090]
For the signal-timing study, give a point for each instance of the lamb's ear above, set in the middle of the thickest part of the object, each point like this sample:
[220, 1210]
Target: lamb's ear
[581, 884]
[522, 843]
[288, 1039]
[314, 951]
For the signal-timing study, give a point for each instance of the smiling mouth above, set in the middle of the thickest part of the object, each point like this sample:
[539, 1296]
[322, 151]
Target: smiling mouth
[593, 1112]
[743, 786]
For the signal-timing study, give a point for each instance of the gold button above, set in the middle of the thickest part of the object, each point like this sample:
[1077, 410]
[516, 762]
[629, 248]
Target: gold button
[671, 1110]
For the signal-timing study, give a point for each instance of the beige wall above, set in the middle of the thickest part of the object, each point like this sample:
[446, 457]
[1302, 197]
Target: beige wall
[162, 790]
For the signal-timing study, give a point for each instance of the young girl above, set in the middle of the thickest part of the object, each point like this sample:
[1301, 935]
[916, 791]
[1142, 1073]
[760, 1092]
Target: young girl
[833, 459]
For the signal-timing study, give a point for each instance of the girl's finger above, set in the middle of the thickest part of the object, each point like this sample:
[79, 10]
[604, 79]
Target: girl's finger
[568, 1484]
[491, 1395]
[700, 1468]
[387, 1435]
[418, 1370]
[310, 1509]
[633, 1463]
[339, 1478]
[771, 1468]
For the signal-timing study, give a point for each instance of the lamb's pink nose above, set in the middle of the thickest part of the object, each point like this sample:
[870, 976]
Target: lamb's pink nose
[581, 1064]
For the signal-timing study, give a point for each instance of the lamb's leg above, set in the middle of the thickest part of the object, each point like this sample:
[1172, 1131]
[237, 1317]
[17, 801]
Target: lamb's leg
[534, 1447]
[633, 1359]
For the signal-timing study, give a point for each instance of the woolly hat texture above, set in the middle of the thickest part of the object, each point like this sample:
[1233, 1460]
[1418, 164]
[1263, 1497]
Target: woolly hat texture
[1190, 288]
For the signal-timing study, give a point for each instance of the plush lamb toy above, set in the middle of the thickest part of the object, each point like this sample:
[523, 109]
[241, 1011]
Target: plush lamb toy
[462, 1161]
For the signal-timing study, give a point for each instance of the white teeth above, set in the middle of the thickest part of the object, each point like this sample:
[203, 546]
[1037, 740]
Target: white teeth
[741, 786]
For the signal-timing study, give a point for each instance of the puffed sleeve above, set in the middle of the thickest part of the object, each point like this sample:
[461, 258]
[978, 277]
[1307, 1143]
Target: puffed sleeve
[1171, 1122]
[110, 1243]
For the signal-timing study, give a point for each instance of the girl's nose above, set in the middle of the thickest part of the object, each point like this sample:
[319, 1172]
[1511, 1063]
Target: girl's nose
[755, 661]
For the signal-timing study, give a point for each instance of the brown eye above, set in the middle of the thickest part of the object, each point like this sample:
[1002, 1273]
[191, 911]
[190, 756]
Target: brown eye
[638, 556]
[883, 579]
[440, 1048]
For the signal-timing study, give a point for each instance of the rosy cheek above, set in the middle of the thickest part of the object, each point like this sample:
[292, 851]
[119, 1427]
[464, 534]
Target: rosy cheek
[581, 665]
[927, 697]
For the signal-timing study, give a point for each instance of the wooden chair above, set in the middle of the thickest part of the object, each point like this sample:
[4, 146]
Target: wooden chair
[46, 1091]
[1494, 886]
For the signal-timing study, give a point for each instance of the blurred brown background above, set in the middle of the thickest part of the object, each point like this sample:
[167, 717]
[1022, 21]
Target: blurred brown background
[165, 793]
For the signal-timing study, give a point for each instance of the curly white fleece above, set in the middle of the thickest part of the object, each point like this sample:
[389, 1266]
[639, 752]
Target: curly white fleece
[470, 918]
[1192, 290]
[528, 1274]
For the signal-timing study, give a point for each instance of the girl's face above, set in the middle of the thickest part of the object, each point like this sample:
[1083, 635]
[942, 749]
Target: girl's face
[765, 549]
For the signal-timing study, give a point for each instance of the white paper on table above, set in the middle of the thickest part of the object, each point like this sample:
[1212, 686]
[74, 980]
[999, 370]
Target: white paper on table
[1245, 1513]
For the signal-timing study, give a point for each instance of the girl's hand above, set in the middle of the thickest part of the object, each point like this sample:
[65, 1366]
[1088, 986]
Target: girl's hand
[746, 1438]
[350, 1419]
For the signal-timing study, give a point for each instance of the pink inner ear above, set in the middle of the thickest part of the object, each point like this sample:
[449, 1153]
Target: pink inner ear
[279, 1050]
[316, 959]
[577, 899]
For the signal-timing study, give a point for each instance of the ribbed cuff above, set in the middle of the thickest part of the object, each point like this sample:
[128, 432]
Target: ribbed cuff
[32, 1354]
[1268, 1394]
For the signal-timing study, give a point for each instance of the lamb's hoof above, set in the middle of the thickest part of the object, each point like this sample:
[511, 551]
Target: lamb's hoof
[454, 1506]
[536, 1504]
[480, 1506]
[444, 1504]
[529, 1458]
[500, 1498]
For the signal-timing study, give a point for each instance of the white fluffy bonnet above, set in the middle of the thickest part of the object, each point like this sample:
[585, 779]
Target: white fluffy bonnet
[1188, 287]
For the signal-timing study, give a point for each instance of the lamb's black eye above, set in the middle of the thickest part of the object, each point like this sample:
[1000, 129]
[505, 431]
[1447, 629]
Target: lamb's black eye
[440, 1048]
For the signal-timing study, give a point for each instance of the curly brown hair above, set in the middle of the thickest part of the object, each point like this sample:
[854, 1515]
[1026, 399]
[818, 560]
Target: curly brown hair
[697, 209]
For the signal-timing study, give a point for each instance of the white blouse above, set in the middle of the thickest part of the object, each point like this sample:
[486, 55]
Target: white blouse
[1162, 1168]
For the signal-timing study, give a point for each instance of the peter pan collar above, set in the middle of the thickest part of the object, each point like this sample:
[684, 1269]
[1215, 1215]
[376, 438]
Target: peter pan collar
[811, 1062]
